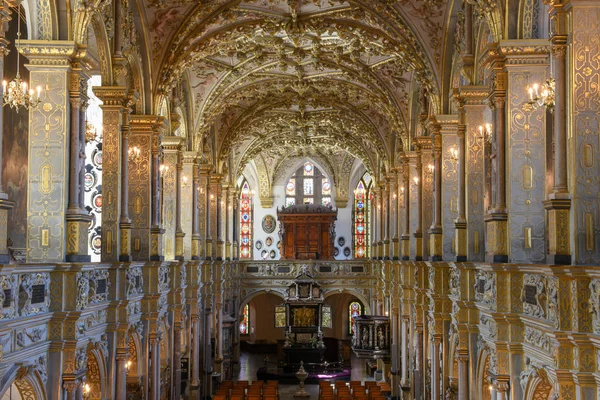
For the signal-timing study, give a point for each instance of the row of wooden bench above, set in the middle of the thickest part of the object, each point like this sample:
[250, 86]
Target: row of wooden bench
[243, 390]
[355, 390]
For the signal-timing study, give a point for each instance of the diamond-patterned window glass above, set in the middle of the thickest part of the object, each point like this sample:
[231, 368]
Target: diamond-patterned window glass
[245, 320]
[245, 221]
[280, 317]
[362, 209]
[326, 317]
[354, 310]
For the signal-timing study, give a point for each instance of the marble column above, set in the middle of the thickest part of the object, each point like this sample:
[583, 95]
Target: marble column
[435, 230]
[385, 215]
[435, 368]
[156, 228]
[235, 249]
[460, 224]
[77, 218]
[210, 200]
[219, 222]
[418, 233]
[501, 389]
[155, 368]
[176, 382]
[404, 351]
[558, 203]
[395, 248]
[395, 349]
[124, 220]
[194, 378]
[419, 370]
[70, 388]
[497, 219]
[121, 375]
[227, 197]
[405, 238]
[463, 374]
[195, 213]
[5, 204]
[48, 163]
[179, 234]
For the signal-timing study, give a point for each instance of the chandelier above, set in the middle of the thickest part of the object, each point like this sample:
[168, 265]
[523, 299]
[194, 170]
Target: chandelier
[15, 93]
[542, 96]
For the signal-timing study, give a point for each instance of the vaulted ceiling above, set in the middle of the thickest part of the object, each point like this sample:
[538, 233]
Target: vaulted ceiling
[285, 79]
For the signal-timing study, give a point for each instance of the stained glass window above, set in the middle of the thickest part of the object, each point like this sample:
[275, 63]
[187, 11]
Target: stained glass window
[362, 211]
[245, 221]
[308, 186]
[354, 310]
[245, 319]
[280, 317]
[326, 317]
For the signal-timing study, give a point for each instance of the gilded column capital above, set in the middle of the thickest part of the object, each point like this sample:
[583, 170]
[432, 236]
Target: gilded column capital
[55, 53]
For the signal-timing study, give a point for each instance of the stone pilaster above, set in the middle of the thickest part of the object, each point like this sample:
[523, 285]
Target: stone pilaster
[170, 183]
[418, 232]
[460, 224]
[156, 229]
[196, 212]
[436, 230]
[47, 188]
[77, 218]
[497, 218]
[179, 234]
[140, 184]
[203, 201]
[188, 203]
[124, 220]
[405, 201]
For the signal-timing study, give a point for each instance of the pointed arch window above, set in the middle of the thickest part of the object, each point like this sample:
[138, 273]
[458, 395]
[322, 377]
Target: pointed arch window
[362, 215]
[245, 320]
[245, 221]
[354, 310]
[308, 186]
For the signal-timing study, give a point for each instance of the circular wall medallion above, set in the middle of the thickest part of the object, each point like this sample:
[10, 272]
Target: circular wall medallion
[258, 244]
[264, 254]
[273, 253]
[269, 223]
[347, 251]
[341, 241]
[336, 252]
[97, 201]
[97, 158]
[96, 244]
[89, 180]
[269, 241]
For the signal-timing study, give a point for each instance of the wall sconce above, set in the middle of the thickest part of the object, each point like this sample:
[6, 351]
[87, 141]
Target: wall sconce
[416, 180]
[90, 133]
[128, 365]
[185, 182]
[453, 154]
[394, 196]
[134, 154]
[163, 169]
[542, 96]
[86, 391]
[485, 133]
[431, 168]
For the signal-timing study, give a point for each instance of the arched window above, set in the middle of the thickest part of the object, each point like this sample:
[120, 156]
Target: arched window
[354, 310]
[362, 215]
[308, 186]
[245, 221]
[245, 320]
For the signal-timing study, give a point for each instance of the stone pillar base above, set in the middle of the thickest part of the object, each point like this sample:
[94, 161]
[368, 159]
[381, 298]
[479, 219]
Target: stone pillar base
[418, 246]
[385, 250]
[460, 240]
[559, 235]
[405, 246]
[220, 246]
[179, 245]
[195, 247]
[208, 249]
[125, 233]
[156, 236]
[436, 241]
[228, 255]
[77, 236]
[395, 249]
[496, 247]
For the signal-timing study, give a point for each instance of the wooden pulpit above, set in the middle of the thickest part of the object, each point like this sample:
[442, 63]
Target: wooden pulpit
[307, 232]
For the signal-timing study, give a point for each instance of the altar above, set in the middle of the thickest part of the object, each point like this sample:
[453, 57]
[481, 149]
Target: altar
[307, 232]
